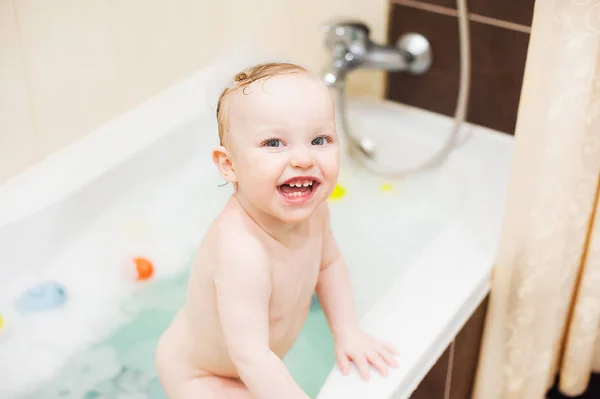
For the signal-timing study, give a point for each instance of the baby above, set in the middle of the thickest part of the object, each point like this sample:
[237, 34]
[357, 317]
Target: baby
[270, 248]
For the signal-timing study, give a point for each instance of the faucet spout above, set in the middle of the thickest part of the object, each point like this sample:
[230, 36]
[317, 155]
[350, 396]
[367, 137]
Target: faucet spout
[351, 48]
[335, 75]
[387, 58]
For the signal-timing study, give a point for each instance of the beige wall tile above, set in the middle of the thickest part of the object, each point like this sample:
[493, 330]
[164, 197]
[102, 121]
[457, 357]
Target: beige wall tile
[70, 63]
[159, 42]
[18, 147]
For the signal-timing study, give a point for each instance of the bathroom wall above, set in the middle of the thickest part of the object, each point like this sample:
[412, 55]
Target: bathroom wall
[67, 66]
[499, 39]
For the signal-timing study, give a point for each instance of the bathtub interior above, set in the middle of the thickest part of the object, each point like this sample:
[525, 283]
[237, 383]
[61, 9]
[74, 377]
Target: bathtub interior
[157, 205]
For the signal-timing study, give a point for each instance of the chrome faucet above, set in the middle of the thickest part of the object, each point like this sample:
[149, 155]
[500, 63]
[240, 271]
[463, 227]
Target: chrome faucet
[351, 48]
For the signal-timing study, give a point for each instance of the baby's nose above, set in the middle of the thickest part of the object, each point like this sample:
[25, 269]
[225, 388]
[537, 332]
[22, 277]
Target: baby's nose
[302, 160]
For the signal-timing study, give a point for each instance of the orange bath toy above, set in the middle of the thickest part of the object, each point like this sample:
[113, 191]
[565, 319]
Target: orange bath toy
[144, 268]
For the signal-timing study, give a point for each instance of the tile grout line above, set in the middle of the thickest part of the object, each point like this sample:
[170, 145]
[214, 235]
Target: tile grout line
[451, 12]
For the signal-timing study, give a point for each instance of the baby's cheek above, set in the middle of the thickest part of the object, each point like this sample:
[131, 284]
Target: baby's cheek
[330, 167]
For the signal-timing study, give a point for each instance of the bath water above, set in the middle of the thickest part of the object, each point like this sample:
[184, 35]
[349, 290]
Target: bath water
[122, 366]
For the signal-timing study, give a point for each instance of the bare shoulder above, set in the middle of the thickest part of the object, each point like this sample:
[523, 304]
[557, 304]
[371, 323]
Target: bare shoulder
[239, 256]
[233, 241]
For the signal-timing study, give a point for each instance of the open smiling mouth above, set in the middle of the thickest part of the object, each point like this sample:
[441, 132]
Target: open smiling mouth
[298, 189]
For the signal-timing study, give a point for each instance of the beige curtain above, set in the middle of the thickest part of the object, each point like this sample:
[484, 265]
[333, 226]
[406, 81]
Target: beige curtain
[544, 309]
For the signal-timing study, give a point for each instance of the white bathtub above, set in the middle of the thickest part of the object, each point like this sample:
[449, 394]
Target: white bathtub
[144, 184]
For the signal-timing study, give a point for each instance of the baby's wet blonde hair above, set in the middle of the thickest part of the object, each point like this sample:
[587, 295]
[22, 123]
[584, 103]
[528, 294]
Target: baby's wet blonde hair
[244, 79]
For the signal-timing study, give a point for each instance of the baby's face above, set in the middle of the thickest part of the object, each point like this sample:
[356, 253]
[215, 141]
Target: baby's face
[283, 143]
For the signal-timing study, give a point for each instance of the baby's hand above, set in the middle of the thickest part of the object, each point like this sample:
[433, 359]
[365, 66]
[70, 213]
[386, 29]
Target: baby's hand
[362, 349]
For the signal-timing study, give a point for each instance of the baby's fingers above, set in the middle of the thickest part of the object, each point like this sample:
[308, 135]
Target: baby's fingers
[343, 363]
[377, 362]
[362, 364]
[390, 348]
[389, 359]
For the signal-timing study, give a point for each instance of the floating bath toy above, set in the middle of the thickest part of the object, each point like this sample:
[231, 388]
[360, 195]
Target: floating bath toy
[387, 187]
[1, 324]
[338, 192]
[144, 268]
[45, 296]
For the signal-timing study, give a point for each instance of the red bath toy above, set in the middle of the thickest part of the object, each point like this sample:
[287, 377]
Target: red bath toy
[144, 268]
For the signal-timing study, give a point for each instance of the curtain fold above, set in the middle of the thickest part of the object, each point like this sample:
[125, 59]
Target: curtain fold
[544, 309]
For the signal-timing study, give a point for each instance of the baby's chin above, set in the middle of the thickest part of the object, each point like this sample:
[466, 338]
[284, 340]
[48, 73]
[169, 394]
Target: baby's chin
[297, 215]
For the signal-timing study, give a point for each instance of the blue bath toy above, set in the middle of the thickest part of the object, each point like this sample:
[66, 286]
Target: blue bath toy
[45, 296]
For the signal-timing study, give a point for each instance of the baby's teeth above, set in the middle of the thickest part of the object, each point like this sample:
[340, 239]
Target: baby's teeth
[305, 184]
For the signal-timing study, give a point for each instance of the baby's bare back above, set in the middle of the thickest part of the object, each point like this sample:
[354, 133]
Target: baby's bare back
[195, 341]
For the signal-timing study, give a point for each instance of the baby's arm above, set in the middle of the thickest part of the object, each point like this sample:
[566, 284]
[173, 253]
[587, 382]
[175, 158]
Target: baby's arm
[335, 295]
[333, 287]
[243, 286]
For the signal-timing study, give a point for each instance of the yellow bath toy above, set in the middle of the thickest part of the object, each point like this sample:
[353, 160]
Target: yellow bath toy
[338, 192]
[387, 187]
[1, 324]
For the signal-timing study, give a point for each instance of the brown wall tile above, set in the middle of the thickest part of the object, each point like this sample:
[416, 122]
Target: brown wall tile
[467, 344]
[517, 11]
[434, 383]
[466, 354]
[497, 63]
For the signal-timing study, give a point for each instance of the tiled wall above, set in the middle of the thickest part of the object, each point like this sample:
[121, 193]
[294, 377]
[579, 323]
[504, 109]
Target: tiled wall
[499, 38]
[67, 66]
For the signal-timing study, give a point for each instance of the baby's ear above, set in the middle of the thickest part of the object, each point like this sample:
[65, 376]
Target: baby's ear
[222, 159]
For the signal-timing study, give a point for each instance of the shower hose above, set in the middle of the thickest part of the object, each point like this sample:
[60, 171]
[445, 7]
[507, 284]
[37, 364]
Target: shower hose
[357, 148]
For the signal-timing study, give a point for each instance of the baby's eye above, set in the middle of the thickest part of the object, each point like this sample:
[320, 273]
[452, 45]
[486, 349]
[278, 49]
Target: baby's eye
[322, 140]
[273, 143]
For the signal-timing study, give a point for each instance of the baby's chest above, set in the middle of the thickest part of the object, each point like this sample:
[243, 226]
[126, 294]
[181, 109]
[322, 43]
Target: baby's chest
[294, 279]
